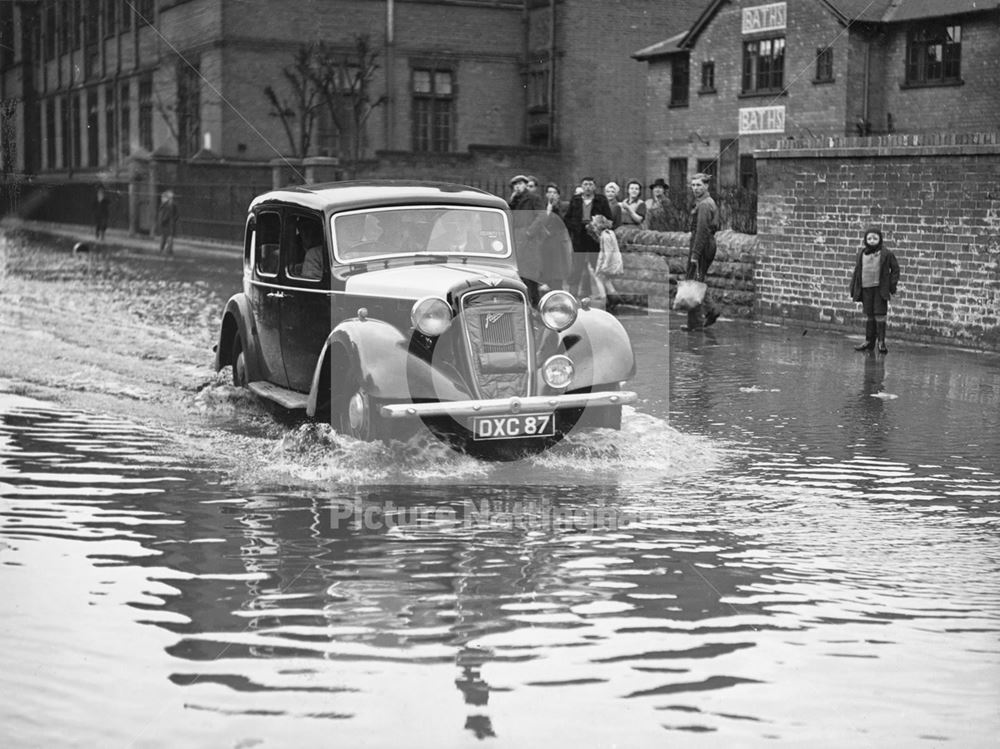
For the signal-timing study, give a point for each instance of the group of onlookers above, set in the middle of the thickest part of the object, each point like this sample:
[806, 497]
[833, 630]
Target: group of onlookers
[560, 242]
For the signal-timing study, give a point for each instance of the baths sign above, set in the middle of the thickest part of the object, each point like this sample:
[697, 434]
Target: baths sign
[754, 120]
[769, 17]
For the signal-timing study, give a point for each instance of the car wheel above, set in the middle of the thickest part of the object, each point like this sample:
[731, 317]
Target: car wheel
[238, 360]
[358, 416]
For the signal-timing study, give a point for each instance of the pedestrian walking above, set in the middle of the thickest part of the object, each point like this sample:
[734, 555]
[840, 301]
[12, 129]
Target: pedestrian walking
[582, 208]
[657, 215]
[102, 205]
[874, 281]
[633, 208]
[166, 221]
[704, 223]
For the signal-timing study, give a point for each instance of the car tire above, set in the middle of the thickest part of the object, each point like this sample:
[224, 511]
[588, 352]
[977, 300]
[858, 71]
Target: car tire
[357, 416]
[238, 360]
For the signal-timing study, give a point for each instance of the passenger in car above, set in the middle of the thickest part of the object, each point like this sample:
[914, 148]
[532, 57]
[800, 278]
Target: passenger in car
[311, 234]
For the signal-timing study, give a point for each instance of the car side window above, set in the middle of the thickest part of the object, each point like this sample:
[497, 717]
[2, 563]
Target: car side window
[267, 248]
[306, 256]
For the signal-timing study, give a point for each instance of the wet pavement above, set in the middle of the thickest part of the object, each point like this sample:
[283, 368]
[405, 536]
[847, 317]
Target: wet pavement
[788, 544]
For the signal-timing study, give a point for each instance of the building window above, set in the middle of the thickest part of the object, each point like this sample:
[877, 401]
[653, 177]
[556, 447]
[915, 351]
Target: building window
[76, 147]
[708, 77]
[146, 111]
[110, 17]
[7, 31]
[824, 65]
[93, 128]
[711, 168]
[764, 65]
[65, 26]
[433, 110]
[538, 90]
[50, 134]
[188, 109]
[75, 11]
[49, 31]
[143, 12]
[110, 123]
[680, 81]
[67, 145]
[91, 22]
[934, 54]
[748, 172]
[125, 118]
[678, 176]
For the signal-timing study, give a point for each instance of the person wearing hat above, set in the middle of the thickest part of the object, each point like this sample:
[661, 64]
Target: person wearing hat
[529, 218]
[876, 275]
[656, 207]
[518, 186]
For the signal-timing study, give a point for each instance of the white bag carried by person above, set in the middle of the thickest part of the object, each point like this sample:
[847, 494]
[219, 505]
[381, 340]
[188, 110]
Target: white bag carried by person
[689, 294]
[609, 260]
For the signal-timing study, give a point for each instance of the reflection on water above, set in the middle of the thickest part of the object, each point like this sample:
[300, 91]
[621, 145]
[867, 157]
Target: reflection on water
[831, 582]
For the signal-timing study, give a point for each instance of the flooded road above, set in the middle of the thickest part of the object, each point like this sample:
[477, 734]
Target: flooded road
[788, 544]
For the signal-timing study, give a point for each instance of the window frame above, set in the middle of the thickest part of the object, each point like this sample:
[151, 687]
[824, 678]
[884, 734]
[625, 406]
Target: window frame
[824, 65]
[753, 74]
[915, 66]
[707, 77]
[258, 243]
[680, 81]
[290, 233]
[432, 112]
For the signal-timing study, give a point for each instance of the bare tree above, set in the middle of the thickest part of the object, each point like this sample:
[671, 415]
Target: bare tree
[345, 82]
[298, 111]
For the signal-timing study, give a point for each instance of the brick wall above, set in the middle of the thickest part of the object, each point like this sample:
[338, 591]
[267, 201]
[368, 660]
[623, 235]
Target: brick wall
[655, 261]
[937, 199]
[601, 92]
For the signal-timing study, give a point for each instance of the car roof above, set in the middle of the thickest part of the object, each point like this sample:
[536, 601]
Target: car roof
[340, 196]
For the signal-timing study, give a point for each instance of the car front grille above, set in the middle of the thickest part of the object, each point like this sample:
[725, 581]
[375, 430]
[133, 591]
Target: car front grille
[496, 332]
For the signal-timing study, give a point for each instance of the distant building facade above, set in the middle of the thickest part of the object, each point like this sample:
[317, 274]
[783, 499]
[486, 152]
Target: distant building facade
[746, 74]
[90, 85]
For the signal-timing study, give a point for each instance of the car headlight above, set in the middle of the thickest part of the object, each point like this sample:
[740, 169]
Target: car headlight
[558, 371]
[431, 316]
[558, 310]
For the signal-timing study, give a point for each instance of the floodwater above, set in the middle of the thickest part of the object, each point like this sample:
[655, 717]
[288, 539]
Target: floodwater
[788, 544]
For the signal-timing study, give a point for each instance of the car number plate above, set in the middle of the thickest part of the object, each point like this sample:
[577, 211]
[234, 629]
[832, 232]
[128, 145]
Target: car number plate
[513, 426]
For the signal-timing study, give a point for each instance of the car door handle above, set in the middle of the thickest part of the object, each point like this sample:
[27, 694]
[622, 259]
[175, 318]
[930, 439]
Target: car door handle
[276, 295]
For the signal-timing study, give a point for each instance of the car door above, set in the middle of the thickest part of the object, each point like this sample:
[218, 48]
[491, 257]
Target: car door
[305, 308]
[266, 293]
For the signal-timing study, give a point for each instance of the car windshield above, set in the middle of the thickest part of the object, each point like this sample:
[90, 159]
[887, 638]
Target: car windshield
[452, 230]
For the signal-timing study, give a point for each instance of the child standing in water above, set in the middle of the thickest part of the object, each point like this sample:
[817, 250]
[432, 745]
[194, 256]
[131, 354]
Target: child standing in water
[876, 275]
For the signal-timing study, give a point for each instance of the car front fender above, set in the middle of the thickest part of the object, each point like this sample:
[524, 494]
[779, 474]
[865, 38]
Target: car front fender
[377, 357]
[237, 321]
[600, 349]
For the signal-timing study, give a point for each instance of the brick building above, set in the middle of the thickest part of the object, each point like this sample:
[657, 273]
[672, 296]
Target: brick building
[746, 74]
[88, 85]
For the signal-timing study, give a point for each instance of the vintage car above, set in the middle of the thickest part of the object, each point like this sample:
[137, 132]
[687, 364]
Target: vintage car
[381, 306]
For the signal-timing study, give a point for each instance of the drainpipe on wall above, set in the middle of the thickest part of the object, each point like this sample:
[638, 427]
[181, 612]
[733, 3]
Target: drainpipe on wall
[864, 98]
[390, 97]
[552, 73]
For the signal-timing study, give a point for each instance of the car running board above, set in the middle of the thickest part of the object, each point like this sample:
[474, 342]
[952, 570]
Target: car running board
[284, 397]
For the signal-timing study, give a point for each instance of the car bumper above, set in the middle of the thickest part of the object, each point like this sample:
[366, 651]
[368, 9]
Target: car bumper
[509, 406]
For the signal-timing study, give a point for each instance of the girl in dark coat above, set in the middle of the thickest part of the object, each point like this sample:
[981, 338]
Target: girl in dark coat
[876, 274]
